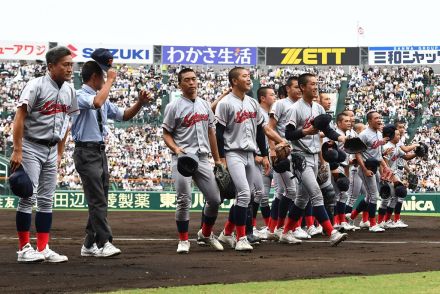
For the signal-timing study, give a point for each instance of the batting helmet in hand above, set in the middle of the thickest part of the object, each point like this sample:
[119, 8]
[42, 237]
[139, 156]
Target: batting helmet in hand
[187, 164]
[20, 183]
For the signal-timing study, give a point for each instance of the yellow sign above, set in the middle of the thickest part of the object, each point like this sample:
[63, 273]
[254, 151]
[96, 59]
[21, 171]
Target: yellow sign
[311, 56]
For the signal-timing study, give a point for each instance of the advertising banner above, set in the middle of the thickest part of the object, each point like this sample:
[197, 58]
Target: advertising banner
[21, 50]
[130, 54]
[209, 55]
[404, 55]
[166, 201]
[312, 56]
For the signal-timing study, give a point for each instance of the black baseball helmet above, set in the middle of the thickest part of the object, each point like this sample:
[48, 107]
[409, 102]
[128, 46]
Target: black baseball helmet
[187, 164]
[330, 152]
[20, 183]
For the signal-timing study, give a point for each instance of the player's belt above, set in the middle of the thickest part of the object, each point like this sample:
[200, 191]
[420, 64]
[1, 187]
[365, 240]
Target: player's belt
[92, 145]
[48, 143]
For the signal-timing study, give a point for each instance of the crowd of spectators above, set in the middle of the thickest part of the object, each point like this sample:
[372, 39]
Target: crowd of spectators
[398, 93]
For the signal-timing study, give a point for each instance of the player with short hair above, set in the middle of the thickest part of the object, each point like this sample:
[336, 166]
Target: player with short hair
[240, 128]
[188, 127]
[306, 142]
[40, 133]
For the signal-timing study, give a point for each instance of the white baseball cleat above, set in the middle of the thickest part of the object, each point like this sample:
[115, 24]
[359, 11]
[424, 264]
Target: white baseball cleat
[350, 221]
[27, 254]
[381, 224]
[279, 232]
[92, 251]
[400, 224]
[211, 240]
[376, 229]
[183, 247]
[312, 231]
[228, 240]
[389, 225]
[319, 228]
[288, 238]
[272, 236]
[347, 227]
[262, 233]
[109, 250]
[364, 225]
[337, 237]
[299, 233]
[52, 256]
[243, 244]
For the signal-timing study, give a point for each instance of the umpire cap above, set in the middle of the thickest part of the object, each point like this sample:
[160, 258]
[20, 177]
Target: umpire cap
[20, 183]
[389, 131]
[103, 57]
[322, 121]
[187, 164]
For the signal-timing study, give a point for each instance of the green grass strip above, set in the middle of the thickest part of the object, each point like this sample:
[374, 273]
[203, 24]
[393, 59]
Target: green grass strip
[423, 282]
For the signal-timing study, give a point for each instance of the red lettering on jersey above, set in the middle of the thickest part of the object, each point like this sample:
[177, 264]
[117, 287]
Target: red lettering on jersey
[190, 120]
[394, 158]
[377, 143]
[50, 107]
[244, 115]
[308, 122]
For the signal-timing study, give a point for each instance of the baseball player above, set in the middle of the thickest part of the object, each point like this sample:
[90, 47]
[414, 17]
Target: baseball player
[266, 98]
[40, 132]
[253, 235]
[343, 123]
[89, 132]
[396, 159]
[279, 116]
[324, 174]
[372, 137]
[306, 141]
[401, 127]
[356, 187]
[240, 128]
[188, 127]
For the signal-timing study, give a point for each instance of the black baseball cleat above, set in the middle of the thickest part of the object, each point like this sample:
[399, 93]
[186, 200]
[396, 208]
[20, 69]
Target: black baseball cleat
[253, 240]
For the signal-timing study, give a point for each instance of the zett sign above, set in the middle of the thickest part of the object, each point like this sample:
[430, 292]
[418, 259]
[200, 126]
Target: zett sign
[313, 56]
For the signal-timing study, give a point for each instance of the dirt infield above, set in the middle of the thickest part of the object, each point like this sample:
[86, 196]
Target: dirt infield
[153, 263]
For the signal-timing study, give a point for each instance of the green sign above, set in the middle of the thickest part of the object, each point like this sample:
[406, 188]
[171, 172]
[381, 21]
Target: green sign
[139, 200]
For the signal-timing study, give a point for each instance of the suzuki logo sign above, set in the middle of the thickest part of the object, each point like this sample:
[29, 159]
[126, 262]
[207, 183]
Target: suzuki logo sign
[121, 54]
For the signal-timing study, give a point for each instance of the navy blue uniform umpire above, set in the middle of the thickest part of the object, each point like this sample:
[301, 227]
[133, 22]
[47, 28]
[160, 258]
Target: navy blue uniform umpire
[89, 132]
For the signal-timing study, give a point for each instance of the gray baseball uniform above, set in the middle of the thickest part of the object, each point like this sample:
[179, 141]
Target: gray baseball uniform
[340, 196]
[302, 115]
[280, 111]
[396, 164]
[262, 197]
[240, 119]
[188, 122]
[356, 187]
[374, 141]
[47, 110]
